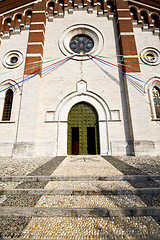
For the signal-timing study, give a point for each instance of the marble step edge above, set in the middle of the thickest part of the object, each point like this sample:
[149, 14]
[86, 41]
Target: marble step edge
[79, 178]
[79, 212]
[103, 191]
[108, 238]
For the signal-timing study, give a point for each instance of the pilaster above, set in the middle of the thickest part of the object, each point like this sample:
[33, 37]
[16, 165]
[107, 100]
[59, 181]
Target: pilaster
[127, 42]
[36, 39]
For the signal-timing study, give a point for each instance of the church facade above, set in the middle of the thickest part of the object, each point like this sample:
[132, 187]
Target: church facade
[79, 77]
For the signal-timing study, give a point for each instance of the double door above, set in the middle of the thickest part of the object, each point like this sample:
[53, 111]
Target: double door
[83, 134]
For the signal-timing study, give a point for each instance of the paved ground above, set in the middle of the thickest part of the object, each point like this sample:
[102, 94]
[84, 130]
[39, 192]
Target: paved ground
[77, 226]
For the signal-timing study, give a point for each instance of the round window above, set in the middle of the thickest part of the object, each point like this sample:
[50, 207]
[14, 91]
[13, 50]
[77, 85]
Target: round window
[150, 56]
[81, 44]
[80, 39]
[12, 59]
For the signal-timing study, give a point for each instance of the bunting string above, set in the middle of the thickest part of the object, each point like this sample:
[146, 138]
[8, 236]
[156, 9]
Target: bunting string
[44, 69]
[96, 57]
[108, 63]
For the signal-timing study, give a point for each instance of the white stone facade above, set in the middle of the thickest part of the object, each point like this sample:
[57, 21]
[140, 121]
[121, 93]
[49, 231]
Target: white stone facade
[39, 118]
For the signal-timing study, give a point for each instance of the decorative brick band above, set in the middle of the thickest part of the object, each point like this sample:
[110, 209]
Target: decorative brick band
[125, 26]
[0, 29]
[36, 39]
[35, 49]
[126, 34]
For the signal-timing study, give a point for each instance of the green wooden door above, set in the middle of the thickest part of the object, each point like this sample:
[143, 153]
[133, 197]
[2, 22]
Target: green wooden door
[84, 119]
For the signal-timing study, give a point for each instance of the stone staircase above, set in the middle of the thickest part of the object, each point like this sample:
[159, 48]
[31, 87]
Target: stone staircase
[82, 197]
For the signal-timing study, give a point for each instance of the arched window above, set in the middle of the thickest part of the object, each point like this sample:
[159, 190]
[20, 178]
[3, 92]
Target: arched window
[7, 105]
[156, 99]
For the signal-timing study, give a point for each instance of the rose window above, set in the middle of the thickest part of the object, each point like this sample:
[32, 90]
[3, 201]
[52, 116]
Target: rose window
[81, 44]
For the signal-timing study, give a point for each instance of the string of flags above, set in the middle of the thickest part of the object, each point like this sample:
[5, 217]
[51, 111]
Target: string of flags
[61, 61]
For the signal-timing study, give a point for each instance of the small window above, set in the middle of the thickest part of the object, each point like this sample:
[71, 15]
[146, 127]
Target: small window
[150, 56]
[7, 105]
[156, 99]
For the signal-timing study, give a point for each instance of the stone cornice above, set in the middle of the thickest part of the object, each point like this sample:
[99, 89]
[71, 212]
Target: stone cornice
[8, 5]
[146, 4]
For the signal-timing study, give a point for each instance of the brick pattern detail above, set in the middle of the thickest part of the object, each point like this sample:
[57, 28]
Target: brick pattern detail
[36, 37]
[31, 65]
[127, 41]
[143, 17]
[36, 48]
[104, 8]
[125, 26]
[0, 29]
[130, 63]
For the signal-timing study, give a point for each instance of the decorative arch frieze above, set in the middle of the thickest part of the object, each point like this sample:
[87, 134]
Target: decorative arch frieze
[15, 23]
[58, 8]
[146, 19]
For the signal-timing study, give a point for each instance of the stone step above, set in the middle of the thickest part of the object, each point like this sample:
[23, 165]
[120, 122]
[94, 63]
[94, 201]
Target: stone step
[38, 192]
[80, 178]
[94, 238]
[77, 228]
[75, 212]
[83, 198]
[63, 201]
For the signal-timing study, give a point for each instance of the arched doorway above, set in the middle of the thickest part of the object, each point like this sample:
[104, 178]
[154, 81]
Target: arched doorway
[83, 131]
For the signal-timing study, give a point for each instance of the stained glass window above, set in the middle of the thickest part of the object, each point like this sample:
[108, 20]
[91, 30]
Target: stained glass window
[81, 44]
[156, 99]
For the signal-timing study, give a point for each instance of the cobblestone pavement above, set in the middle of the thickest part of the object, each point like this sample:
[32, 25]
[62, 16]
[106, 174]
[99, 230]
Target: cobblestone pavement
[89, 227]
[78, 227]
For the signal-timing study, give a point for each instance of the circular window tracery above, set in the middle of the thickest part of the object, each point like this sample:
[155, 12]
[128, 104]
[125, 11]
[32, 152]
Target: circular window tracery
[80, 39]
[81, 44]
[12, 59]
[150, 56]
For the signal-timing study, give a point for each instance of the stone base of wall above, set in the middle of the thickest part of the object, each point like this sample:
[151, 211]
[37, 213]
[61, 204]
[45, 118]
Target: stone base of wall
[24, 149]
[157, 147]
[119, 148]
[144, 148]
[6, 149]
[29, 149]
[46, 149]
[137, 148]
